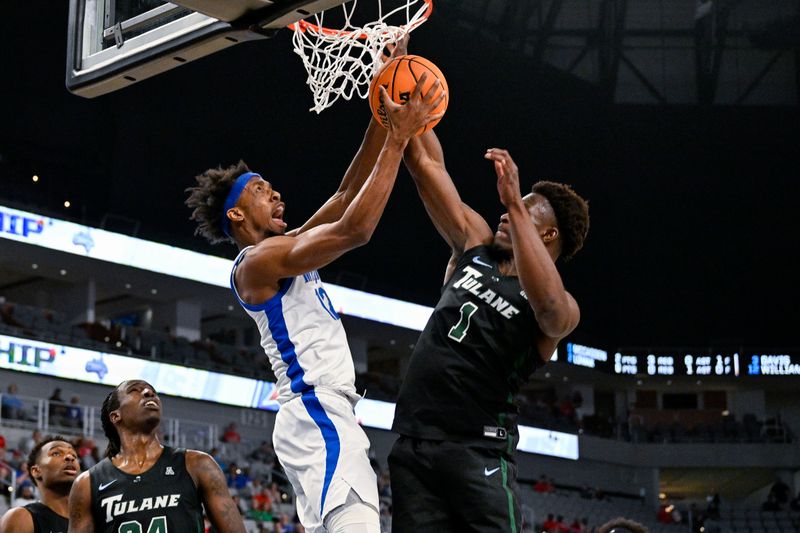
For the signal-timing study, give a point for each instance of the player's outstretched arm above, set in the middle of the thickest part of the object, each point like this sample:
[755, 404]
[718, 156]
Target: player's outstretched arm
[360, 167]
[458, 224]
[210, 481]
[16, 520]
[282, 257]
[556, 310]
[80, 505]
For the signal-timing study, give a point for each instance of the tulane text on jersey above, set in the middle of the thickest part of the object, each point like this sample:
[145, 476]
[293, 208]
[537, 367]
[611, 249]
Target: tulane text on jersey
[115, 506]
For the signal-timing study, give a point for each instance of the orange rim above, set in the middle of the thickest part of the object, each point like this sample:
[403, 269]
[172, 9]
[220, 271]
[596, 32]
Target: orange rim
[303, 25]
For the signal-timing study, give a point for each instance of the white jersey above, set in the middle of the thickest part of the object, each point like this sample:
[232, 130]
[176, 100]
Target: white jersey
[303, 337]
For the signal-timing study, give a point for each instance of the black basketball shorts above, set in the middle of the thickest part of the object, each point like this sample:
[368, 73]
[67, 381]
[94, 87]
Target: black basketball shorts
[443, 487]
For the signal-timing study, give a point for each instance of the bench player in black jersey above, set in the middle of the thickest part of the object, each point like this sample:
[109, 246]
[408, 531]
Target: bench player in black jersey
[142, 486]
[502, 311]
[52, 466]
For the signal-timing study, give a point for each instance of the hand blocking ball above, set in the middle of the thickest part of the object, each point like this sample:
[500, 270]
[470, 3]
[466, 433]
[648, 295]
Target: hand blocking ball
[400, 77]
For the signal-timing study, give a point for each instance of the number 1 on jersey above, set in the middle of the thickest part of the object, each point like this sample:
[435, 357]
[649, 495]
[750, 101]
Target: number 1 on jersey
[459, 331]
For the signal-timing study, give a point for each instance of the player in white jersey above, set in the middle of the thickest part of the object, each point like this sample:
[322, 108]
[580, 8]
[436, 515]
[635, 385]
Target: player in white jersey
[317, 439]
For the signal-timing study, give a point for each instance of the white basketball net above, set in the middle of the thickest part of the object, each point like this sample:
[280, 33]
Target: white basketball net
[343, 61]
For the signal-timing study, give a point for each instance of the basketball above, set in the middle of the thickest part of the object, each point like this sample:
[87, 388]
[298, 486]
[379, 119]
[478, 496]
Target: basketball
[399, 77]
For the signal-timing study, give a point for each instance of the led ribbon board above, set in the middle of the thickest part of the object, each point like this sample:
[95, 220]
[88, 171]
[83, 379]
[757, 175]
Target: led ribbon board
[68, 362]
[63, 236]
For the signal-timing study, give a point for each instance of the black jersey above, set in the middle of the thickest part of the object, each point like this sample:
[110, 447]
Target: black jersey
[476, 350]
[45, 520]
[162, 499]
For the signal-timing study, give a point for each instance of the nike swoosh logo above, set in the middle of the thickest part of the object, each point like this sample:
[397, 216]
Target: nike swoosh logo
[104, 486]
[477, 261]
[487, 472]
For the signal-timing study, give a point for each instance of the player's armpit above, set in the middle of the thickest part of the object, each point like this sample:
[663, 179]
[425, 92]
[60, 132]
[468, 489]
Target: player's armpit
[80, 505]
[210, 481]
[282, 257]
[546, 345]
[17, 520]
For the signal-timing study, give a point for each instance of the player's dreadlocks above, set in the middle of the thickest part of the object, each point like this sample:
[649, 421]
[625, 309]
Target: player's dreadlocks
[572, 214]
[111, 403]
[208, 198]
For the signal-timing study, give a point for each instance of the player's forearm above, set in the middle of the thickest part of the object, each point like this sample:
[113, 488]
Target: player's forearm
[363, 162]
[424, 158]
[538, 274]
[81, 527]
[227, 519]
[363, 214]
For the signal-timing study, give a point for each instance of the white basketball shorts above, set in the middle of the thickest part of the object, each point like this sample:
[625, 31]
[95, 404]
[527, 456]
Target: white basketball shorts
[323, 451]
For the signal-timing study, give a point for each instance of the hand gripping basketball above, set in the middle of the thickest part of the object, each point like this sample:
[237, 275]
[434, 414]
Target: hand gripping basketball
[399, 76]
[417, 112]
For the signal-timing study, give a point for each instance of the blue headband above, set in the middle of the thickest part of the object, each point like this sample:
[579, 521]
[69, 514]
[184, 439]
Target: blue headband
[233, 197]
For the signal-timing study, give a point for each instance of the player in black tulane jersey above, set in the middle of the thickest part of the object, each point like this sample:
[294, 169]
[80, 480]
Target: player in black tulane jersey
[52, 466]
[502, 311]
[143, 486]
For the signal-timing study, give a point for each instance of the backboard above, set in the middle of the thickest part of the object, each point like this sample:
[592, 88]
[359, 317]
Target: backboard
[115, 43]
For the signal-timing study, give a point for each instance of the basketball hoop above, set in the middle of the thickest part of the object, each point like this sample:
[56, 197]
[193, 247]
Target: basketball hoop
[342, 61]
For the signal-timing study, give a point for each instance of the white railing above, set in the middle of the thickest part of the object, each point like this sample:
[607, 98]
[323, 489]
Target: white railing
[35, 414]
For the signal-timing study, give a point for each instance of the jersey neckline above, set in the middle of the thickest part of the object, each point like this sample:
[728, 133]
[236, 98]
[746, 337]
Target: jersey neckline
[496, 265]
[164, 451]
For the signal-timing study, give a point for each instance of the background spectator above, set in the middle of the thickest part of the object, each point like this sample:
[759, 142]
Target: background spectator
[27, 444]
[231, 435]
[771, 505]
[544, 485]
[782, 492]
[25, 495]
[84, 447]
[236, 477]
[264, 453]
[11, 405]
[74, 416]
[550, 524]
[576, 527]
[713, 504]
[57, 408]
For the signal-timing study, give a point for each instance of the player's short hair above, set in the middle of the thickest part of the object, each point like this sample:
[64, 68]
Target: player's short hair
[572, 215]
[622, 525]
[33, 457]
[111, 403]
[207, 200]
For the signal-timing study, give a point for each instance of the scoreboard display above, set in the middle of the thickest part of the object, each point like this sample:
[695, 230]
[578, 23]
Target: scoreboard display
[676, 364]
[683, 362]
[773, 365]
